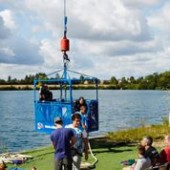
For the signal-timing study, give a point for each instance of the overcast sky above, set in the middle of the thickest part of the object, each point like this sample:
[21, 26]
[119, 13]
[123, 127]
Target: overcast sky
[108, 37]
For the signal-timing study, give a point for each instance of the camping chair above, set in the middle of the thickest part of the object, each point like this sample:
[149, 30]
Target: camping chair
[165, 166]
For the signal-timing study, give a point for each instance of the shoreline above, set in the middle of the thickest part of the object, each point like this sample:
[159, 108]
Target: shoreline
[55, 87]
[12, 87]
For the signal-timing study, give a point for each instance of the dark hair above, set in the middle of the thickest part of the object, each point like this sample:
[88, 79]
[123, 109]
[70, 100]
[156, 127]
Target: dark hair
[141, 149]
[82, 99]
[58, 120]
[76, 116]
[150, 140]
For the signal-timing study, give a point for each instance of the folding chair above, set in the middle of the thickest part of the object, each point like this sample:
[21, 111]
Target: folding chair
[165, 166]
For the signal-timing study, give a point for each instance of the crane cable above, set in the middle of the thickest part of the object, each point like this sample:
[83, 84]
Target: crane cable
[65, 42]
[66, 59]
[65, 20]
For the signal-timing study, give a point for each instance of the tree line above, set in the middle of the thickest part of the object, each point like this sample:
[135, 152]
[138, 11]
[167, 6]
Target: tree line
[155, 81]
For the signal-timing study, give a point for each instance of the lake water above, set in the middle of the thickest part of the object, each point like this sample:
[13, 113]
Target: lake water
[118, 109]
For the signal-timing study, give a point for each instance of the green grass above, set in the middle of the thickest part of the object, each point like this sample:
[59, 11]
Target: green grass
[110, 150]
[136, 134]
[42, 159]
[109, 158]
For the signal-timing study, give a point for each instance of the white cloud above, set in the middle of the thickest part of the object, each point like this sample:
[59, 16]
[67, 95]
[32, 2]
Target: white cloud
[4, 31]
[160, 21]
[119, 37]
[19, 51]
[52, 57]
[8, 19]
[6, 51]
[110, 21]
[142, 3]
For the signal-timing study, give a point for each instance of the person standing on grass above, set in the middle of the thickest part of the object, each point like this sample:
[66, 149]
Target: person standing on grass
[62, 139]
[81, 137]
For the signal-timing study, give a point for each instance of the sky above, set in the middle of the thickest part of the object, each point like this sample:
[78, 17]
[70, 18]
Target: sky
[120, 38]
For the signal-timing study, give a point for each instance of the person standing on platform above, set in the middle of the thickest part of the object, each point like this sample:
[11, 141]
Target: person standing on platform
[78, 103]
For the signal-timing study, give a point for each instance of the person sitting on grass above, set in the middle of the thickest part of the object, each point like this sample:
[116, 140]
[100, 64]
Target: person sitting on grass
[150, 151]
[165, 153]
[142, 162]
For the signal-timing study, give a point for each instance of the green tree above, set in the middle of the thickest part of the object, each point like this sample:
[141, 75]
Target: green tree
[132, 80]
[9, 79]
[81, 79]
[2, 81]
[41, 76]
[113, 80]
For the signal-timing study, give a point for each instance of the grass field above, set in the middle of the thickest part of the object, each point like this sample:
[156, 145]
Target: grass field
[109, 158]
[109, 151]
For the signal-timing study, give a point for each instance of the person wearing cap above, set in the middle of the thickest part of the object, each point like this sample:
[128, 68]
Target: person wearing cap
[81, 137]
[62, 139]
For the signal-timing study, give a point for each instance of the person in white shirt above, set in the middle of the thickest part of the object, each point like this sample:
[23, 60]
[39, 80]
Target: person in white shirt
[142, 162]
[80, 145]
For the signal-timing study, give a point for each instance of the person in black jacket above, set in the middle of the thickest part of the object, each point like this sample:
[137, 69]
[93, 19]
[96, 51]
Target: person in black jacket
[150, 151]
[78, 103]
[45, 93]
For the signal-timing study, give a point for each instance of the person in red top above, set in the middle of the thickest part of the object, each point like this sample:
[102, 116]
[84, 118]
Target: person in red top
[165, 153]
